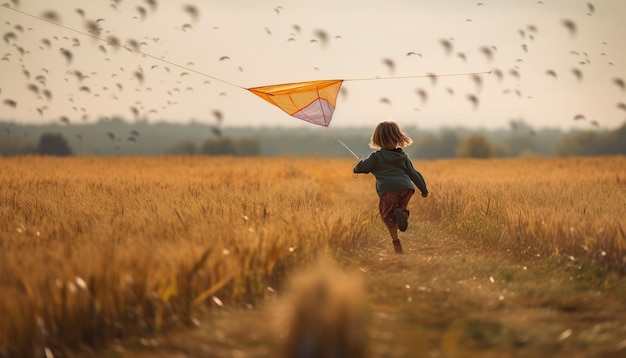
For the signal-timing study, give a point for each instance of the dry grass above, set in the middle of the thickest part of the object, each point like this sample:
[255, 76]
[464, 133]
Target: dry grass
[95, 250]
[573, 207]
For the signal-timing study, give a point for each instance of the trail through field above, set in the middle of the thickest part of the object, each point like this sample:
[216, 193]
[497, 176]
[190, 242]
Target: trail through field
[442, 298]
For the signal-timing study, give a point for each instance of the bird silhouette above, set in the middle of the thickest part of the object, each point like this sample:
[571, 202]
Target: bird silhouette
[433, 78]
[321, 36]
[219, 116]
[67, 54]
[51, 16]
[570, 25]
[487, 51]
[423, 95]
[10, 102]
[620, 83]
[447, 46]
[192, 11]
[9, 36]
[578, 74]
[152, 4]
[478, 81]
[473, 99]
[391, 65]
[551, 73]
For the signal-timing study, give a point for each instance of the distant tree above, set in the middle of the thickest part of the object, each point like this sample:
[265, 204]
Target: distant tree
[247, 147]
[475, 146]
[431, 146]
[53, 144]
[183, 148]
[230, 146]
[219, 146]
[12, 146]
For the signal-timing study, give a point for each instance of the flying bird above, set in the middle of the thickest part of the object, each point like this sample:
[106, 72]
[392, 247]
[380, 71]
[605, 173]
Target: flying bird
[478, 81]
[192, 11]
[390, 64]
[11, 103]
[570, 26]
[487, 51]
[9, 36]
[447, 46]
[579, 117]
[51, 16]
[591, 8]
[423, 95]
[620, 105]
[321, 36]
[473, 99]
[433, 79]
[498, 73]
[152, 4]
[578, 74]
[219, 117]
[142, 12]
[620, 83]
[67, 54]
[551, 73]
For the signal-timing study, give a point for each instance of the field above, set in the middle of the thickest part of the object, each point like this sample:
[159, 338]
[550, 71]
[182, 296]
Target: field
[148, 256]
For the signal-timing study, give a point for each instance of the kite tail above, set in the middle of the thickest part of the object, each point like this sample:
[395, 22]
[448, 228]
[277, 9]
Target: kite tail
[342, 143]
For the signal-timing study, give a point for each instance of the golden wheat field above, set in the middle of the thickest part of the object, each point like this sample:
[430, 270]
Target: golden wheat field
[98, 250]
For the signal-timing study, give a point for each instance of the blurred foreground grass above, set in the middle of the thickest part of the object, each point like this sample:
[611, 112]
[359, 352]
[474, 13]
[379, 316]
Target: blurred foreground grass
[97, 250]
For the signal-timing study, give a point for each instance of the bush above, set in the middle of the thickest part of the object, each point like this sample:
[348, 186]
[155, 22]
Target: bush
[475, 146]
[53, 144]
[12, 146]
[184, 148]
[229, 146]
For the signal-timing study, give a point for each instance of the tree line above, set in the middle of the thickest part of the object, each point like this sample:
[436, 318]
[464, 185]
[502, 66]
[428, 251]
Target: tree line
[118, 137]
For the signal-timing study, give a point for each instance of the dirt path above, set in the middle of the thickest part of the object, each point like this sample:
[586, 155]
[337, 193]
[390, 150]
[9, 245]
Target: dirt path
[443, 298]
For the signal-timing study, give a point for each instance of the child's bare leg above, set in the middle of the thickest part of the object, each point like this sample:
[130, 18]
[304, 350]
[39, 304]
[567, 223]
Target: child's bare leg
[393, 231]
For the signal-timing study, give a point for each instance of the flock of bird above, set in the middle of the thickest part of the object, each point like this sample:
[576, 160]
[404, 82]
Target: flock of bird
[68, 47]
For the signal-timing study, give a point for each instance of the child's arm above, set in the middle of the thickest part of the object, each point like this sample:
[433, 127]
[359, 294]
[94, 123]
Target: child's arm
[417, 179]
[366, 165]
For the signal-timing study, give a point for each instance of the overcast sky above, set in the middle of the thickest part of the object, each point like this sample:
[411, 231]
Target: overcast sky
[195, 66]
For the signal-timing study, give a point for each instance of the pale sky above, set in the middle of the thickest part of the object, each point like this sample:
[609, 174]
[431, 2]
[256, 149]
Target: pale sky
[272, 42]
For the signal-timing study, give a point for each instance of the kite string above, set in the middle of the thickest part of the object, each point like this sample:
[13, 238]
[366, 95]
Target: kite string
[342, 143]
[418, 76]
[115, 44]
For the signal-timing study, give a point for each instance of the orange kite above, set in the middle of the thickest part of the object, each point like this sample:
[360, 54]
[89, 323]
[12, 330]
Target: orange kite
[311, 101]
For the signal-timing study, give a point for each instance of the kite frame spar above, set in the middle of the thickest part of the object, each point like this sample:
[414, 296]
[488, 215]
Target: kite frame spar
[310, 101]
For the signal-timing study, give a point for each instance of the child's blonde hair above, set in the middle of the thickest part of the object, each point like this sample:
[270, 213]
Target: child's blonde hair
[387, 135]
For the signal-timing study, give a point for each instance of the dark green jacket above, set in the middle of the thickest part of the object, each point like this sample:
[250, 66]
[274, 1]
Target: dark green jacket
[393, 171]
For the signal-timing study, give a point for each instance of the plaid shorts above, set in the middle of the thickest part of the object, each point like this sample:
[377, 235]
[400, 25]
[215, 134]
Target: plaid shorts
[392, 200]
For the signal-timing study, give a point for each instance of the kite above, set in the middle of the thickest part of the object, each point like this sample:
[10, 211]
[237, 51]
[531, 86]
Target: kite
[311, 101]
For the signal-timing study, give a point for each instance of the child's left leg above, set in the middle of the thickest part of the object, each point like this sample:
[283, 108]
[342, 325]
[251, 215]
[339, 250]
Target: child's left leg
[386, 206]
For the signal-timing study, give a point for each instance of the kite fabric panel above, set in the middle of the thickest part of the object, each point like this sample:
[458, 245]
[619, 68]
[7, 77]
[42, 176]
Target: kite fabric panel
[311, 101]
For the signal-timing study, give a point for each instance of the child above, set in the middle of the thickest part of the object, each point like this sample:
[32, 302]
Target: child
[395, 177]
